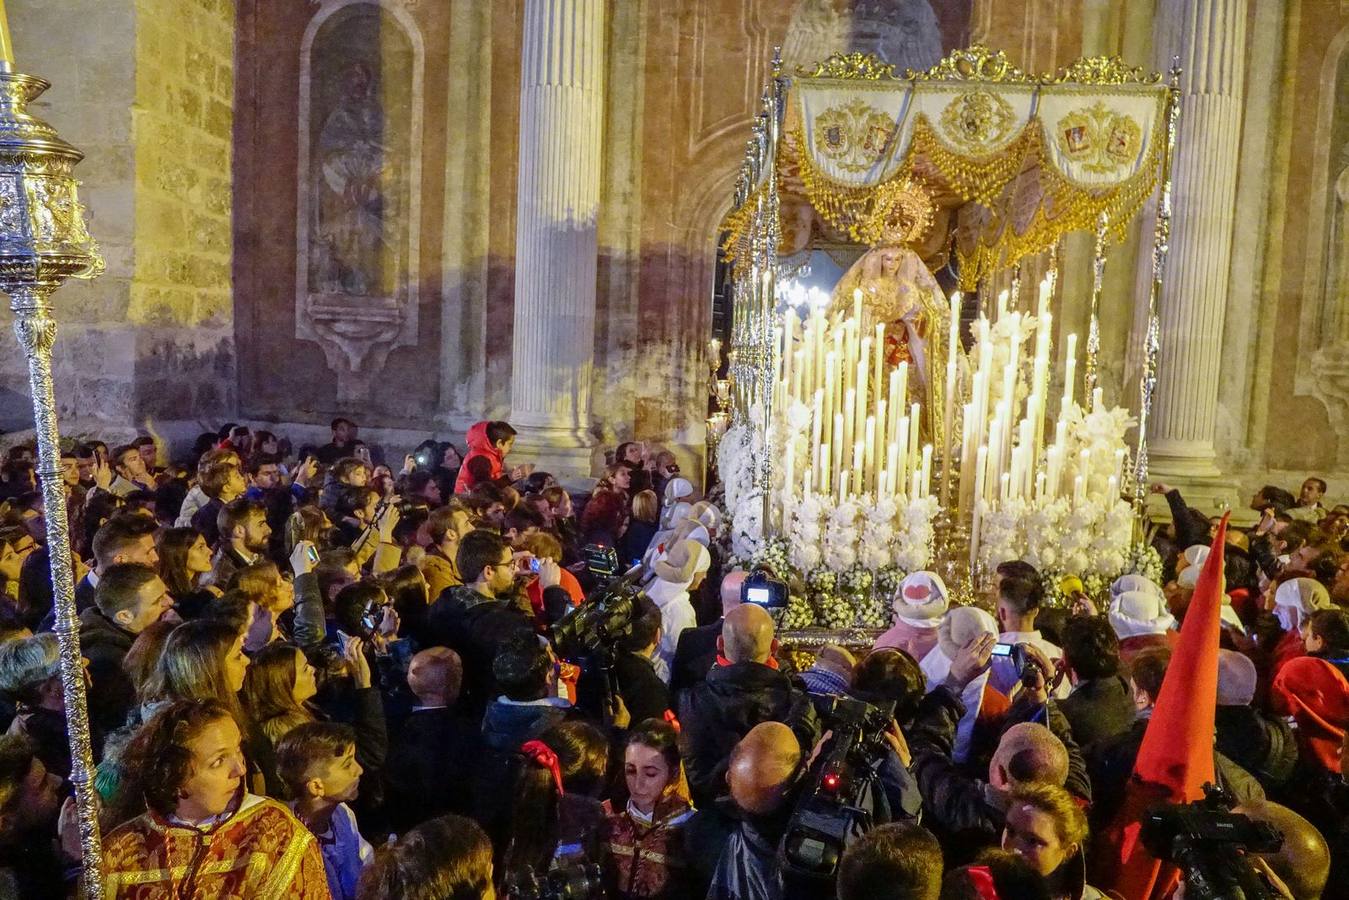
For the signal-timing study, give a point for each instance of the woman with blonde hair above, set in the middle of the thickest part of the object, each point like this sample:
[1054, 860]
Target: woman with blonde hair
[642, 527]
[202, 659]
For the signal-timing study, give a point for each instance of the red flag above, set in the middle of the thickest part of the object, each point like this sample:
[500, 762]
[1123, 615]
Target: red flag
[1176, 756]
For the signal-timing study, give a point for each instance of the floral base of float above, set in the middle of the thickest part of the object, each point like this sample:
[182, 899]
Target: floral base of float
[844, 558]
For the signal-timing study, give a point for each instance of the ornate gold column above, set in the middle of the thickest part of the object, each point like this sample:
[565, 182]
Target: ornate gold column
[43, 241]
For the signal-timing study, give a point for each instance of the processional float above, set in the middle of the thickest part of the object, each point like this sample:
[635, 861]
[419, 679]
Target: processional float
[884, 427]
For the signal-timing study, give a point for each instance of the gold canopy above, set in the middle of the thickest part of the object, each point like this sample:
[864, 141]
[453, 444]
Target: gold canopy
[1013, 161]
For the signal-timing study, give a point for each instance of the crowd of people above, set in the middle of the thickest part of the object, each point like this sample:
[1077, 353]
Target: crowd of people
[313, 674]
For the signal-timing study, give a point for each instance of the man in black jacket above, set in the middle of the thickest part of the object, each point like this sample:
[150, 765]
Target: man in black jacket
[1101, 704]
[716, 714]
[476, 618]
[129, 599]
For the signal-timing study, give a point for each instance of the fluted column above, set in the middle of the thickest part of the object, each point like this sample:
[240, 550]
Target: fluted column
[557, 217]
[1209, 36]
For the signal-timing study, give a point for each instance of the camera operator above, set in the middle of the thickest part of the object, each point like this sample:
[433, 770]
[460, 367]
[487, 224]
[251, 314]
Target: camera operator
[965, 811]
[644, 694]
[1303, 863]
[738, 695]
[764, 775]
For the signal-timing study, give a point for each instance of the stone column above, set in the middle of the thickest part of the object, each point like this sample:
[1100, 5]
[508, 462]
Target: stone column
[1209, 36]
[557, 220]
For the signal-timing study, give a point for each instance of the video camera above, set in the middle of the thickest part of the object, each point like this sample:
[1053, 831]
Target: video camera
[575, 882]
[837, 808]
[1205, 840]
[762, 588]
[601, 560]
[602, 620]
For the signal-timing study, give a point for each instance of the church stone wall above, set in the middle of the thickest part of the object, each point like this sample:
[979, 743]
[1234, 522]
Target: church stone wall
[181, 297]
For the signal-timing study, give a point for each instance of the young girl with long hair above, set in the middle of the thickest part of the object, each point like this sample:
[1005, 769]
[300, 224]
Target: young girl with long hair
[642, 845]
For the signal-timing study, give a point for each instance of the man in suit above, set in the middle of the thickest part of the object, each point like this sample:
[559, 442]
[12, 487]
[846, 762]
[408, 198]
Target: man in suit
[433, 755]
[696, 651]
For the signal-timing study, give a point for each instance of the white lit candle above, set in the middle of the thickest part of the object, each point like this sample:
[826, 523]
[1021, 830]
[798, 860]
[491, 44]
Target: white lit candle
[869, 466]
[849, 416]
[1069, 371]
[837, 441]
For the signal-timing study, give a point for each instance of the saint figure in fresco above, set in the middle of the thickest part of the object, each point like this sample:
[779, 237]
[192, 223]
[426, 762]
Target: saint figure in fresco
[352, 175]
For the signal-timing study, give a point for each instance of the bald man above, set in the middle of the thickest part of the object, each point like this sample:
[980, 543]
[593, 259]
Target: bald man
[764, 776]
[967, 813]
[696, 650]
[1303, 862]
[743, 690]
[432, 757]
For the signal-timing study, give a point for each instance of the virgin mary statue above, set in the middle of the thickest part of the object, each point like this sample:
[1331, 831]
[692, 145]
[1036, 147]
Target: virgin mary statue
[899, 291]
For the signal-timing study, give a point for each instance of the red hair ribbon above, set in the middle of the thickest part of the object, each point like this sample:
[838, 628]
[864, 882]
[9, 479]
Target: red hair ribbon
[540, 754]
[981, 878]
[673, 720]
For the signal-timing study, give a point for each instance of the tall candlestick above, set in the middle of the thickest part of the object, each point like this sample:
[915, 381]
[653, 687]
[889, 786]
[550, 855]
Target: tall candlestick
[830, 376]
[948, 424]
[980, 463]
[892, 466]
[817, 419]
[858, 461]
[1097, 399]
[826, 467]
[914, 429]
[863, 375]
[879, 361]
[925, 481]
[798, 367]
[6, 47]
[902, 442]
[843, 485]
